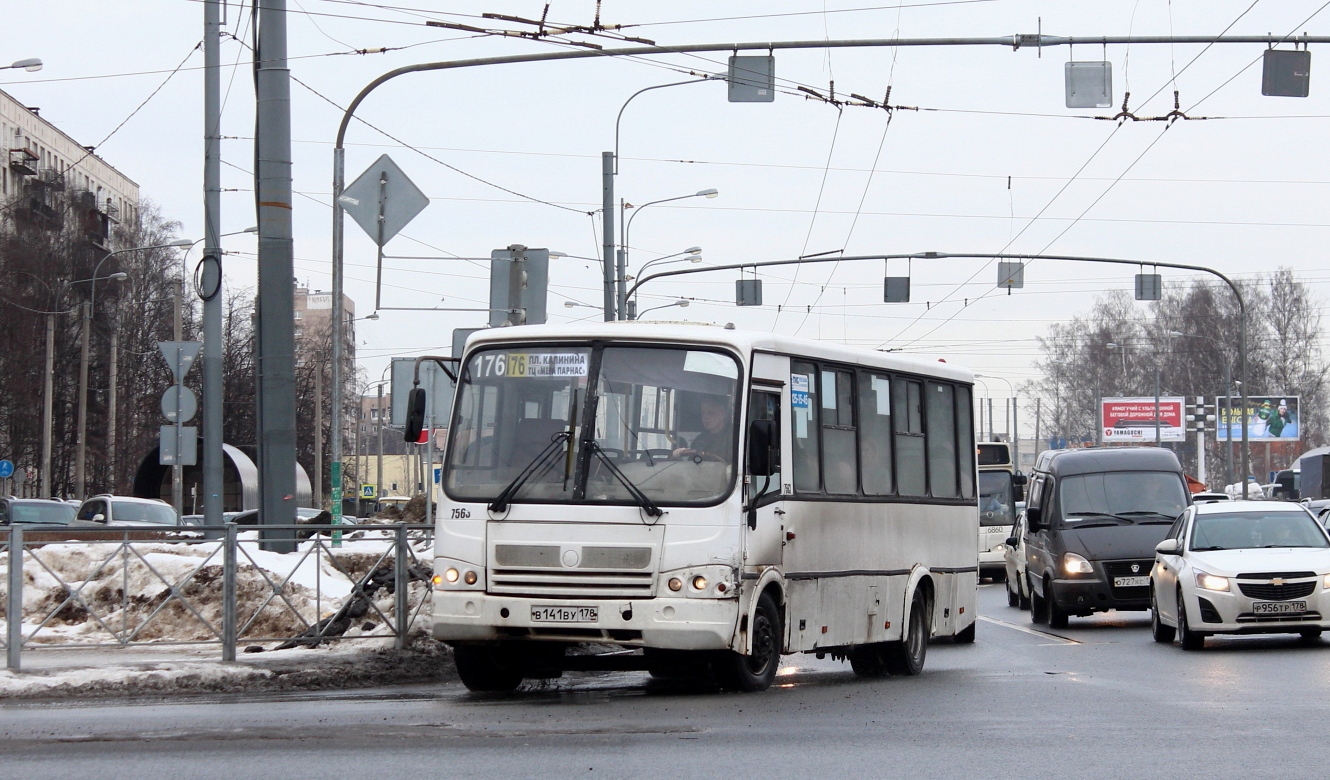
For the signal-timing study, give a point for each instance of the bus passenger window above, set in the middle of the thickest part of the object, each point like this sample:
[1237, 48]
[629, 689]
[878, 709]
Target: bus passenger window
[908, 411]
[965, 440]
[942, 440]
[875, 434]
[839, 460]
[804, 422]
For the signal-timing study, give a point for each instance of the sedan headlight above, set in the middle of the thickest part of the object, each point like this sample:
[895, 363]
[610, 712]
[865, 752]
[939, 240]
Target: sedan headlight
[1327, 582]
[1210, 581]
[1074, 564]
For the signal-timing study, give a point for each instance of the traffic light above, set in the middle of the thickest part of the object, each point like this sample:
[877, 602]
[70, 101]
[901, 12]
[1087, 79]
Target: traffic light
[1200, 415]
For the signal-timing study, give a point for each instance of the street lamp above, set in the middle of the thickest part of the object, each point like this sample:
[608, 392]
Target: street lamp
[681, 303]
[626, 228]
[32, 64]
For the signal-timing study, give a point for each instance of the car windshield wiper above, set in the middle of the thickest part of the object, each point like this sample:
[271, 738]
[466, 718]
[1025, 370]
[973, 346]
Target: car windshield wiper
[643, 501]
[1078, 526]
[505, 497]
[1211, 548]
[1100, 514]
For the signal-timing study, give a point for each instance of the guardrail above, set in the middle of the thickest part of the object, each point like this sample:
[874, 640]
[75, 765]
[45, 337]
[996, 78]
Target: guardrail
[140, 586]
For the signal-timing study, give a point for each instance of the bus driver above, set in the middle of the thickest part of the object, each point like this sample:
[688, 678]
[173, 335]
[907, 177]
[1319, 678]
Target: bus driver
[715, 442]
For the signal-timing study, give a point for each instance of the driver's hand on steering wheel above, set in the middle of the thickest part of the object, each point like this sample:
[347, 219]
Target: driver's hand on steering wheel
[683, 451]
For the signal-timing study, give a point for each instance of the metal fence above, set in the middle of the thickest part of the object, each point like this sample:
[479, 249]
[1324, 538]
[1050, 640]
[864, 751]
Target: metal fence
[142, 587]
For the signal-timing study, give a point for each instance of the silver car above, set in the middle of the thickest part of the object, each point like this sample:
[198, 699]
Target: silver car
[1018, 585]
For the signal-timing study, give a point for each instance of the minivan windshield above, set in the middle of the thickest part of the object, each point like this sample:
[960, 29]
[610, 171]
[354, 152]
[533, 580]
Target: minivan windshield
[664, 425]
[1247, 530]
[1121, 497]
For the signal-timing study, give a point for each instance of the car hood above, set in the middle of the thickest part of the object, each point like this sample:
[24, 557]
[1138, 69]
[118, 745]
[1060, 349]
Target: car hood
[1275, 559]
[1114, 543]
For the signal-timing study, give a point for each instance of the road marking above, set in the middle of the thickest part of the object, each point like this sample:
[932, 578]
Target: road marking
[1031, 631]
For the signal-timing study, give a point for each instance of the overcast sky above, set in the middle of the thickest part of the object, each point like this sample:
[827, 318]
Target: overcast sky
[992, 161]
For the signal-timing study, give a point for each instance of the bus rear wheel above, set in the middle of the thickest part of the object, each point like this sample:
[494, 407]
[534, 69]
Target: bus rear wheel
[488, 668]
[755, 672]
[906, 657]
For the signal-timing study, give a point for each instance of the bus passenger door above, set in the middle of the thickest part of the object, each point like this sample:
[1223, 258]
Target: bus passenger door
[763, 505]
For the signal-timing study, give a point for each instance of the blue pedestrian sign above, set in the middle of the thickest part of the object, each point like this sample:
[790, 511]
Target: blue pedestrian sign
[6, 469]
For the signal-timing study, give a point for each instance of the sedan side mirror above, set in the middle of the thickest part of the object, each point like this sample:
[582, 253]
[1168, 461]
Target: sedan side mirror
[1169, 547]
[1012, 542]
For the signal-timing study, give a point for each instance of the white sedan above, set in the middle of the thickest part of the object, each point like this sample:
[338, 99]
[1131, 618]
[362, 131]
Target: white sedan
[1244, 567]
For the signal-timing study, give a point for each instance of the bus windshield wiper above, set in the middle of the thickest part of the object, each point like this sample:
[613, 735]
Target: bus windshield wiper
[642, 500]
[505, 497]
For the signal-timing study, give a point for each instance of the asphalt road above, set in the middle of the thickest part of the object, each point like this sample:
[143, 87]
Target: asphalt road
[1099, 699]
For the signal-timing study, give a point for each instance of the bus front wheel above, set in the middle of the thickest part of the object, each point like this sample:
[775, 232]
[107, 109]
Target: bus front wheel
[756, 672]
[488, 668]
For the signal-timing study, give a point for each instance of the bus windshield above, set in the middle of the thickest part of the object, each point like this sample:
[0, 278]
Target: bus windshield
[664, 425]
[995, 506]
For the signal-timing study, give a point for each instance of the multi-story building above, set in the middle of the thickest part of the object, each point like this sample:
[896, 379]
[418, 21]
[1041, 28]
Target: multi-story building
[42, 165]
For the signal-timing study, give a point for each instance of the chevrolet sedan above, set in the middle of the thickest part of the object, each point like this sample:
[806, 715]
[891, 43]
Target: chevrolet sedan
[1244, 567]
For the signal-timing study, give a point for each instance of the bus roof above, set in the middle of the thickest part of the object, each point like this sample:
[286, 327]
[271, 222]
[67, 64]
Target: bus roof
[745, 341]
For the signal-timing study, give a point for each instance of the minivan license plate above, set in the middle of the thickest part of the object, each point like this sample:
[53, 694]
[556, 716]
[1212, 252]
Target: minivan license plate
[1278, 607]
[564, 614]
[1130, 582]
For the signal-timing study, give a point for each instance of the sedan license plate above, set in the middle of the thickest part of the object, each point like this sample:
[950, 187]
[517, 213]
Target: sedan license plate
[565, 614]
[1278, 607]
[1130, 582]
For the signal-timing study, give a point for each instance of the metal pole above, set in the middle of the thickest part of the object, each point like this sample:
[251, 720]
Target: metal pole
[378, 482]
[14, 607]
[1200, 441]
[177, 470]
[1228, 425]
[990, 419]
[1015, 435]
[111, 484]
[1038, 420]
[607, 224]
[318, 436]
[80, 459]
[229, 544]
[276, 337]
[48, 407]
[429, 451]
[1156, 402]
[213, 412]
[401, 583]
[338, 326]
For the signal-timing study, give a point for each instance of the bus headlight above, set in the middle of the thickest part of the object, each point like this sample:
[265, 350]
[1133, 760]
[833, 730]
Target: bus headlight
[701, 582]
[1076, 565]
[452, 574]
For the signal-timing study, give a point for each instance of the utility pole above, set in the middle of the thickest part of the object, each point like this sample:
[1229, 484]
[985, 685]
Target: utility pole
[112, 485]
[378, 482]
[212, 254]
[80, 459]
[318, 436]
[607, 223]
[177, 470]
[276, 331]
[47, 407]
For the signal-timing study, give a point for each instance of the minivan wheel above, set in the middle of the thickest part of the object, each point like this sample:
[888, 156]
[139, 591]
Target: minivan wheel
[1057, 617]
[1038, 612]
[1161, 633]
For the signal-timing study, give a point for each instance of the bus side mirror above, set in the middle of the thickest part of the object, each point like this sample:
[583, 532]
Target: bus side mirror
[762, 440]
[415, 415]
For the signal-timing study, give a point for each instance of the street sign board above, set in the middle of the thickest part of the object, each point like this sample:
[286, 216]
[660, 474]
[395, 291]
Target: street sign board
[383, 189]
[518, 285]
[6, 469]
[1088, 84]
[189, 449]
[439, 403]
[1011, 274]
[1133, 419]
[897, 289]
[367, 491]
[179, 356]
[747, 292]
[752, 79]
[182, 399]
[1286, 73]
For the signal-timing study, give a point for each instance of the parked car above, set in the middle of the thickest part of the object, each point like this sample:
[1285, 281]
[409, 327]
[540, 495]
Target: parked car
[1018, 586]
[1241, 568]
[1093, 519]
[1205, 498]
[111, 511]
[35, 511]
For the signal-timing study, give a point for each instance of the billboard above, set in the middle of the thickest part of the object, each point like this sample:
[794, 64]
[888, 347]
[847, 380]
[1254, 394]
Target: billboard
[1269, 418]
[1133, 419]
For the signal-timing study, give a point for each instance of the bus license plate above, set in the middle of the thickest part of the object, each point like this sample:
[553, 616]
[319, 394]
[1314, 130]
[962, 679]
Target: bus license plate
[1278, 607]
[564, 614]
[1130, 582]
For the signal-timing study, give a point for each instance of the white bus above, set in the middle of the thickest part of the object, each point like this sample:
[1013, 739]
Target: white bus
[713, 497]
[1001, 486]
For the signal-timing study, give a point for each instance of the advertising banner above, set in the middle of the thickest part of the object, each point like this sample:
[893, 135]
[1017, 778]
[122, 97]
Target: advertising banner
[1126, 420]
[1269, 418]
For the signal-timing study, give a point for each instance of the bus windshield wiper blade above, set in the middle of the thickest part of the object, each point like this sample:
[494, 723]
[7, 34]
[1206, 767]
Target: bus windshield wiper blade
[505, 497]
[642, 500]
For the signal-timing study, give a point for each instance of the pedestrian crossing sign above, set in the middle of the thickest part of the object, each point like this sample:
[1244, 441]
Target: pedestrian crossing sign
[367, 491]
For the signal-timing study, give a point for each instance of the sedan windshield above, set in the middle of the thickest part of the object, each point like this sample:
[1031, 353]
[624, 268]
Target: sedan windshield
[1122, 496]
[134, 512]
[1247, 530]
[663, 426]
[41, 512]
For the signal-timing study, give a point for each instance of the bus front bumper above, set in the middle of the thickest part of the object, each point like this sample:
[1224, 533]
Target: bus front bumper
[676, 624]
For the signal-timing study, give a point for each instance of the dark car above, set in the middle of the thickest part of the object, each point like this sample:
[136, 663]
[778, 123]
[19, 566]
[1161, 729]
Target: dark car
[35, 511]
[1093, 519]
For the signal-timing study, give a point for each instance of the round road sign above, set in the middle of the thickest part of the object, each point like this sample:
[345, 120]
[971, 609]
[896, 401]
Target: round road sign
[188, 404]
[6, 469]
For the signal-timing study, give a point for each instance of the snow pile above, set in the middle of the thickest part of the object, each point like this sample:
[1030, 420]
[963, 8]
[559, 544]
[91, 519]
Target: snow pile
[78, 593]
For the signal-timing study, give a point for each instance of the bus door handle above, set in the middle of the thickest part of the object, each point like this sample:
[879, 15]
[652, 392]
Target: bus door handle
[778, 511]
